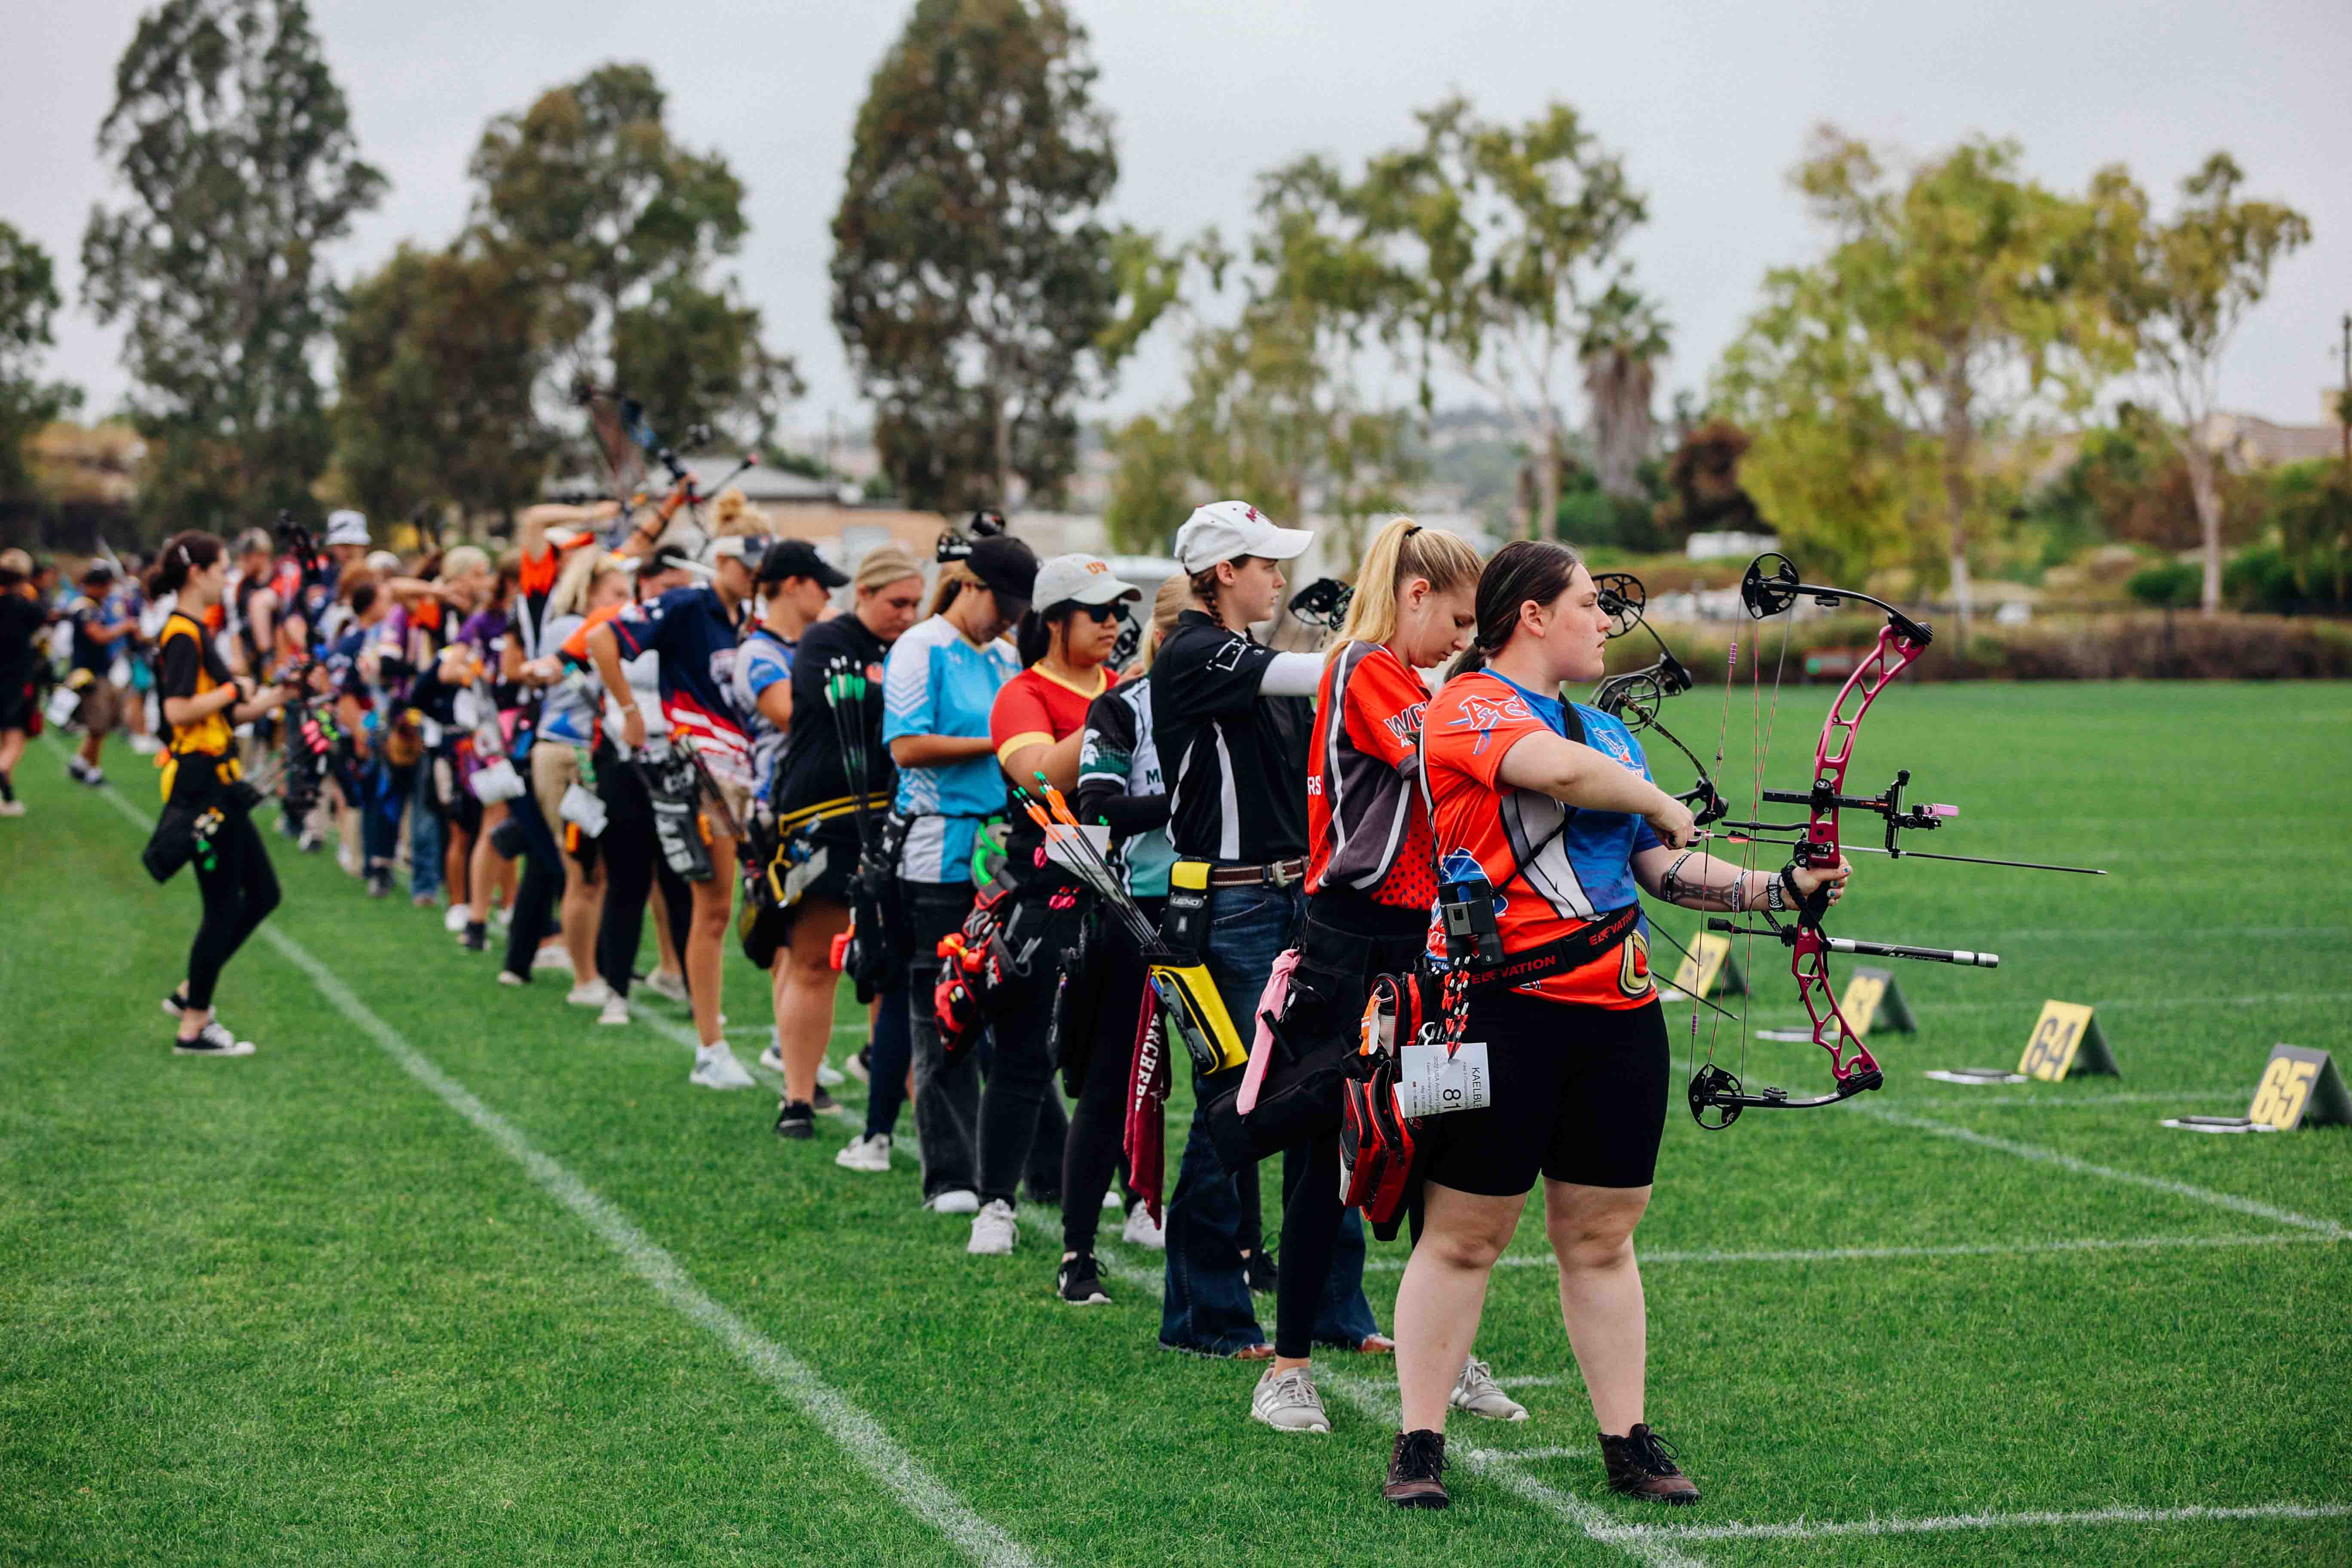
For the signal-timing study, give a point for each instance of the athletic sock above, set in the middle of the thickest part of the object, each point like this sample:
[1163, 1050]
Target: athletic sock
[7, 786]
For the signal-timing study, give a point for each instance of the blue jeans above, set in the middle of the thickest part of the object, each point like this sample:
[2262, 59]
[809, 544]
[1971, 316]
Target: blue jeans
[425, 842]
[1206, 1305]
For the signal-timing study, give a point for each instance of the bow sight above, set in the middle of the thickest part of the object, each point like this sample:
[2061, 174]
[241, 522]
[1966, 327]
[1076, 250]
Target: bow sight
[1323, 603]
[1634, 697]
[955, 544]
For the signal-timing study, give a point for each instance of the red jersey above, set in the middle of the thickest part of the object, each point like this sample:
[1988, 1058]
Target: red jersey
[1484, 827]
[1034, 708]
[1367, 827]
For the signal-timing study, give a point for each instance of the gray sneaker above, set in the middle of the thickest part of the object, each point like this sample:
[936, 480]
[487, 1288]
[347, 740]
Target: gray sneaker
[1477, 1392]
[1288, 1402]
[994, 1231]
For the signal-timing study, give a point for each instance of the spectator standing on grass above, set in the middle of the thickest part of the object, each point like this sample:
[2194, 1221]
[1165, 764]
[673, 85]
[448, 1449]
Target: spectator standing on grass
[23, 618]
[796, 585]
[1550, 803]
[1371, 880]
[695, 630]
[1234, 720]
[815, 807]
[1120, 785]
[942, 680]
[99, 622]
[203, 796]
[1038, 722]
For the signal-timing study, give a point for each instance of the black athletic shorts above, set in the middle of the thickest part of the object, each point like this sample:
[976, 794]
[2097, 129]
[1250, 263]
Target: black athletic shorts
[1580, 1096]
[18, 705]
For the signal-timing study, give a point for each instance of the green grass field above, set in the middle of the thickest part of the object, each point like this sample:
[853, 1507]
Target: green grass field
[447, 1273]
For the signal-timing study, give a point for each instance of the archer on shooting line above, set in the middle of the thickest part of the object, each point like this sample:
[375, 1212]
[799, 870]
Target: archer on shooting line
[1545, 823]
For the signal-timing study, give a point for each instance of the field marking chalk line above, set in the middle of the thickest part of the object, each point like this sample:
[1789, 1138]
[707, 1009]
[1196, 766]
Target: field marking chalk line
[1808, 1531]
[1867, 1254]
[2327, 1227]
[864, 1438]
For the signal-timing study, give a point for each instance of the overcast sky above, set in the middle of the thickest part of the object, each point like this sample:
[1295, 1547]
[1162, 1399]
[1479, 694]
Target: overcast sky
[1709, 102]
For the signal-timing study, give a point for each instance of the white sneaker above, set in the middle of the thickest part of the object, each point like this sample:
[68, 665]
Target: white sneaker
[503, 915]
[1286, 1401]
[955, 1200]
[145, 746]
[870, 1155]
[1142, 1230]
[715, 1067]
[993, 1230]
[212, 1040]
[1477, 1392]
[591, 994]
[508, 977]
[661, 983]
[616, 1010]
[827, 1075]
[348, 860]
[12, 809]
[453, 922]
[773, 1058]
[550, 956]
[1111, 1200]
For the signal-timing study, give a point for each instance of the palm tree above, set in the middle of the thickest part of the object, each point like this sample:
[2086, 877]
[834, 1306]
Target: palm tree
[1623, 341]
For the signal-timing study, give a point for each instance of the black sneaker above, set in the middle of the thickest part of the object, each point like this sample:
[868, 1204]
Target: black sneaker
[476, 937]
[1259, 1270]
[1079, 1282]
[1414, 1468]
[795, 1118]
[1641, 1464]
[212, 1040]
[379, 884]
[823, 1101]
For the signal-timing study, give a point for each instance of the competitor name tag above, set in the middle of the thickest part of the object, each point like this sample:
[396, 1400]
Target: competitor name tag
[1429, 1083]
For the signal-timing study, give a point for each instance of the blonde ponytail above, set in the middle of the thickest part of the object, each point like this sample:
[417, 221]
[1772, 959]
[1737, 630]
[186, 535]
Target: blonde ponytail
[1400, 553]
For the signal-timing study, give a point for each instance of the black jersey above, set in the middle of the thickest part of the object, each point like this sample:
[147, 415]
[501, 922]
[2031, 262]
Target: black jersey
[1237, 762]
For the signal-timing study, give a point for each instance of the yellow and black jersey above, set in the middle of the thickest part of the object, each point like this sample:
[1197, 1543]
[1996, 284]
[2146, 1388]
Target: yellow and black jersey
[191, 666]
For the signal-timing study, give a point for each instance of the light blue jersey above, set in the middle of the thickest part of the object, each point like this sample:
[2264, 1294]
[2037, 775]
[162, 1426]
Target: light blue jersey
[937, 683]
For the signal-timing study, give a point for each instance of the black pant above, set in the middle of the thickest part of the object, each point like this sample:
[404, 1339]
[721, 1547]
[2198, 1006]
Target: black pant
[1347, 942]
[541, 885]
[1099, 1122]
[633, 868]
[1019, 1110]
[240, 891]
[947, 1090]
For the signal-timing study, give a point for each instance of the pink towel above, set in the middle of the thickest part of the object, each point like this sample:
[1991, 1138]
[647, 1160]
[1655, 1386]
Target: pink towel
[1270, 1003]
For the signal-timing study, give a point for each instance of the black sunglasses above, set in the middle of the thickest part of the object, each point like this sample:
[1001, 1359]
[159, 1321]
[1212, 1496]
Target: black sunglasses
[1101, 615]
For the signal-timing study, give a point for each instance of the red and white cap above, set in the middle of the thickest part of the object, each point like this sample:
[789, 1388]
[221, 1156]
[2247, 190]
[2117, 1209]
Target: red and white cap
[1226, 530]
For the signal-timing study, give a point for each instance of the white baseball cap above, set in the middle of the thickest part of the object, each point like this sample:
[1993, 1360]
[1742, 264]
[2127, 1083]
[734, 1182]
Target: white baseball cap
[347, 527]
[1082, 579]
[1224, 529]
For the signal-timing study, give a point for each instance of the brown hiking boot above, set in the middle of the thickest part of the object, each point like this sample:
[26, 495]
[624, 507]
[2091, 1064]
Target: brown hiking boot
[1641, 1464]
[1414, 1468]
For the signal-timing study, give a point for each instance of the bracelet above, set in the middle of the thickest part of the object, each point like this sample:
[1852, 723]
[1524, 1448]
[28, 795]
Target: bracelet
[1774, 895]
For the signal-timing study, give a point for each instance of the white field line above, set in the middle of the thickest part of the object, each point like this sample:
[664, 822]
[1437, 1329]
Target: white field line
[1379, 1400]
[683, 1034]
[1813, 1530]
[2327, 1227]
[1869, 1254]
[2230, 1093]
[864, 1438]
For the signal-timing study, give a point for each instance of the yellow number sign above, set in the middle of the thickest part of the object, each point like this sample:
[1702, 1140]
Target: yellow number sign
[2065, 1039]
[1708, 967]
[2299, 1087]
